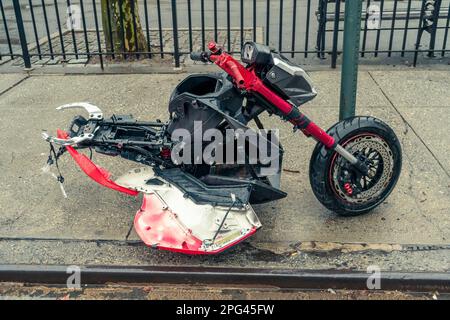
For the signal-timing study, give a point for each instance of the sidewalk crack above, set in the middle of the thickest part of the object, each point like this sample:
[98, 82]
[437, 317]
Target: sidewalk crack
[14, 85]
[408, 125]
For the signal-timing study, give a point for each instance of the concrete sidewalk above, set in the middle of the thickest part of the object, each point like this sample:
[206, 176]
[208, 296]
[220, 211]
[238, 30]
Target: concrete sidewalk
[416, 103]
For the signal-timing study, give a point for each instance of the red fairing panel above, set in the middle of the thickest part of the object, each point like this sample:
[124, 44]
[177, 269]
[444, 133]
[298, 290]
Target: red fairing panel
[159, 228]
[95, 172]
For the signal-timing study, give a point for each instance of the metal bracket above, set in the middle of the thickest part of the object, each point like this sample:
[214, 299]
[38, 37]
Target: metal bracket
[94, 112]
[67, 142]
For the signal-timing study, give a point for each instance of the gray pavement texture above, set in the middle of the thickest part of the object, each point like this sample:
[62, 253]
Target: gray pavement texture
[94, 225]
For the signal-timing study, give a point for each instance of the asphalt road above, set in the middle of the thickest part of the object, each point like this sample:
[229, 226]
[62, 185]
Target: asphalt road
[261, 9]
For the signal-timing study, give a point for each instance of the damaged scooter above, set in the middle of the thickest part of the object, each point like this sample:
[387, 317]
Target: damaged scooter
[201, 171]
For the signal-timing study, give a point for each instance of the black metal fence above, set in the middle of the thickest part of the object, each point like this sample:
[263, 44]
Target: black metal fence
[43, 32]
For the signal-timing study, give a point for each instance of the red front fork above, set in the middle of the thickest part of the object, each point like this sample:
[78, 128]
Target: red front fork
[247, 80]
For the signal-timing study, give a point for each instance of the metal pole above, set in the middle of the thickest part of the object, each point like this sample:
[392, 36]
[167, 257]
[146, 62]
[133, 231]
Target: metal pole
[176, 49]
[22, 36]
[349, 73]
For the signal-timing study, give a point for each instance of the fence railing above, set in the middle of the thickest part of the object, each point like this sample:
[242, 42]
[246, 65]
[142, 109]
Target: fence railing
[39, 32]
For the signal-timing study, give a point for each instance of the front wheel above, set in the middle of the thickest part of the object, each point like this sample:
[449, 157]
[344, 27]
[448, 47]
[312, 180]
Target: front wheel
[342, 188]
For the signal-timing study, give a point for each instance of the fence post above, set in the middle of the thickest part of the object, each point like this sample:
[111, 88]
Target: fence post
[22, 36]
[349, 73]
[436, 12]
[176, 49]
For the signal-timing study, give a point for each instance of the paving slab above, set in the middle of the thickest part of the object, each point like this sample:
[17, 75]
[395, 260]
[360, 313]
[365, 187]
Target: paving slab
[415, 88]
[9, 80]
[32, 205]
[433, 123]
[424, 103]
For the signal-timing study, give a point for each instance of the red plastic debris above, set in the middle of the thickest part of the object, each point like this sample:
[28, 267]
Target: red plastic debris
[96, 173]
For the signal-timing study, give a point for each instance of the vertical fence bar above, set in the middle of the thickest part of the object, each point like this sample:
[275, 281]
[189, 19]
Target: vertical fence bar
[202, 5]
[147, 29]
[111, 41]
[447, 25]
[190, 24]
[405, 30]
[61, 37]
[83, 17]
[321, 32]
[294, 23]
[5, 25]
[254, 20]
[72, 31]
[324, 31]
[267, 21]
[337, 14]
[280, 30]
[161, 43]
[241, 9]
[176, 49]
[391, 37]
[22, 36]
[363, 49]
[349, 74]
[437, 9]
[36, 37]
[47, 30]
[377, 41]
[419, 32]
[94, 8]
[215, 21]
[228, 27]
[308, 13]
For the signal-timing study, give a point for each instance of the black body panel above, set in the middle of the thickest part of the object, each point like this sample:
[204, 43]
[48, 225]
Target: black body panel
[290, 81]
[187, 101]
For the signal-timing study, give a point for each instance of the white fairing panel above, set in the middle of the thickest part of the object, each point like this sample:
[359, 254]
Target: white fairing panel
[203, 221]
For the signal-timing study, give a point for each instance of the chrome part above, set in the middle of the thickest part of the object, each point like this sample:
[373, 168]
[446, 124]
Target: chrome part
[93, 111]
[67, 142]
[345, 154]
[203, 220]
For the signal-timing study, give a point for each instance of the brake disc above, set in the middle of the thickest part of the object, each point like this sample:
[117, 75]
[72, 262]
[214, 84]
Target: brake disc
[380, 155]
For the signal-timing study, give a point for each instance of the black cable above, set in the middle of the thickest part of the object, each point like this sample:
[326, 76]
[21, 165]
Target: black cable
[56, 155]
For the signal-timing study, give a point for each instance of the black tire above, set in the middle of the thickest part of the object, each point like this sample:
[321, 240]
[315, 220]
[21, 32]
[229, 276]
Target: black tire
[323, 164]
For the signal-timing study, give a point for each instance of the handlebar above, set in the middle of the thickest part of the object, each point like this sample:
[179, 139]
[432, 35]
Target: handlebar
[224, 61]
